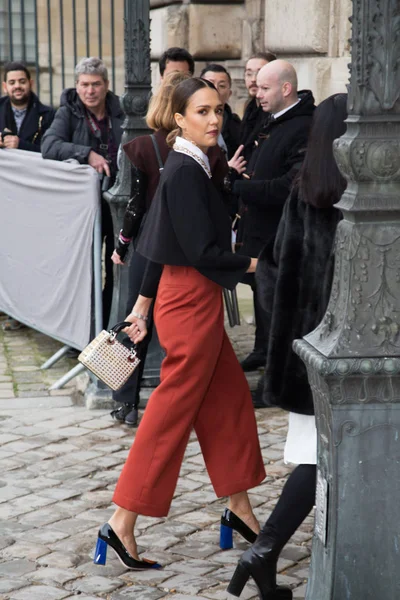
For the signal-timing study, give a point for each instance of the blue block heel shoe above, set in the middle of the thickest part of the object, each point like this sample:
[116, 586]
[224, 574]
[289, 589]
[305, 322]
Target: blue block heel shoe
[107, 537]
[225, 537]
[100, 554]
[229, 523]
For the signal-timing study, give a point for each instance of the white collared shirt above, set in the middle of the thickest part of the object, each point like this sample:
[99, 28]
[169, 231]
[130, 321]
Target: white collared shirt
[181, 144]
[282, 112]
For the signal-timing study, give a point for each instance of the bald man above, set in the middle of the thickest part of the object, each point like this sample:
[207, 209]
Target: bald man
[272, 168]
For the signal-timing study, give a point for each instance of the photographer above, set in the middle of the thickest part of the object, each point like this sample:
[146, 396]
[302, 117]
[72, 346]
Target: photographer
[87, 128]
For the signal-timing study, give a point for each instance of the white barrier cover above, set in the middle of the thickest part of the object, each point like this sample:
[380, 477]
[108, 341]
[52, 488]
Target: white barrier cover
[47, 213]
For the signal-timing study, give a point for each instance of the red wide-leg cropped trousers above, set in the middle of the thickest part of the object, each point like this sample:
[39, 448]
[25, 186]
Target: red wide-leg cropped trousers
[203, 388]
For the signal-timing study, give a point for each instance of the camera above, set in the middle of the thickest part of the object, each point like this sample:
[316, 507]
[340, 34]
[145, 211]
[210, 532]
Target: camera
[105, 183]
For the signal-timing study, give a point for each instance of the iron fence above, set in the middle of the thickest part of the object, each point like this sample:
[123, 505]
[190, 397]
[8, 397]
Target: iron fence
[52, 36]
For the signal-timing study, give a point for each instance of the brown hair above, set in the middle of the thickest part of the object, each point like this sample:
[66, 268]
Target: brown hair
[158, 114]
[267, 56]
[180, 99]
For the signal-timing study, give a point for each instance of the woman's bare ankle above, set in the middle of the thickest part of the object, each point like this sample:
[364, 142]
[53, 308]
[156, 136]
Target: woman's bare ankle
[123, 520]
[123, 523]
[240, 505]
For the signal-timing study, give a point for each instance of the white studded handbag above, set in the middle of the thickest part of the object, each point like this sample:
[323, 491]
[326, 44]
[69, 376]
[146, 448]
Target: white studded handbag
[108, 359]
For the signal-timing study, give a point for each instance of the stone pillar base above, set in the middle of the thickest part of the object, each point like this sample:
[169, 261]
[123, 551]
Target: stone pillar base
[101, 398]
[357, 410]
[97, 397]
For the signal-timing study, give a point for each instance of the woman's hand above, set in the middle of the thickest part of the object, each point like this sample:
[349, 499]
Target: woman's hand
[238, 162]
[137, 331]
[253, 265]
[115, 257]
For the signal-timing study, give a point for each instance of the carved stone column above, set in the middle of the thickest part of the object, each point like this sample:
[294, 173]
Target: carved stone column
[353, 357]
[134, 103]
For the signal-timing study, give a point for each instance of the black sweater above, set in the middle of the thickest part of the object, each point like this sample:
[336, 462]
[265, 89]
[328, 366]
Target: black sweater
[188, 225]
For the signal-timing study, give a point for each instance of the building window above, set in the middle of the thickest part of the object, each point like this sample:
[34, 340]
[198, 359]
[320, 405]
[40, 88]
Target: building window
[17, 30]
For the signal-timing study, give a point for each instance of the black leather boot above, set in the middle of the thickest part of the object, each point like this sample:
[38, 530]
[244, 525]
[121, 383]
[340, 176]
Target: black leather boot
[258, 393]
[259, 562]
[131, 418]
[253, 361]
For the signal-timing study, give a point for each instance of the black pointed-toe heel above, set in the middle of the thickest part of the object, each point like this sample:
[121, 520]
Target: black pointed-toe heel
[107, 537]
[259, 562]
[229, 523]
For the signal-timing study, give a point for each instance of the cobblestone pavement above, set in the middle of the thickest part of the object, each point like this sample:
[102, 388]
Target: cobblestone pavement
[59, 464]
[22, 353]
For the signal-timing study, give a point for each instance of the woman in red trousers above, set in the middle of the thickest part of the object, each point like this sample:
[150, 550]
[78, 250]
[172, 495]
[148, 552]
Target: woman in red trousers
[148, 155]
[187, 242]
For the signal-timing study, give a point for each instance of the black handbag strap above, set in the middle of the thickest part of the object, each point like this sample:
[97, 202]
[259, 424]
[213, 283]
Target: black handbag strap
[157, 151]
[120, 326]
[114, 331]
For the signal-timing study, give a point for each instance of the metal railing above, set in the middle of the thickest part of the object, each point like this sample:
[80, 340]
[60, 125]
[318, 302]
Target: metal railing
[49, 36]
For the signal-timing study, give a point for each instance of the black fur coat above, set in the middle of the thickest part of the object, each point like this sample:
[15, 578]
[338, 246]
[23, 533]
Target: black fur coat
[294, 276]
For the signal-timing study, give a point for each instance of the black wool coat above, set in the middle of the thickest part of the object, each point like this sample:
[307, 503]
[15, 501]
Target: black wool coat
[231, 130]
[70, 137]
[273, 167]
[35, 124]
[254, 119]
[294, 277]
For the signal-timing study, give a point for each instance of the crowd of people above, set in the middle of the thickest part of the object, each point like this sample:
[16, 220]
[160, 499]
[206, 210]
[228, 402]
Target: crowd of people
[203, 178]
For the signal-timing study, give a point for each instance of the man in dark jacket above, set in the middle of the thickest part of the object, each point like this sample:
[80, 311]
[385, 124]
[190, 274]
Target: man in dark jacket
[230, 134]
[23, 118]
[253, 120]
[254, 117]
[23, 121]
[87, 128]
[272, 169]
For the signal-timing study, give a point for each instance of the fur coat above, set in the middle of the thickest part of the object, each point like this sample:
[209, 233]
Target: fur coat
[294, 276]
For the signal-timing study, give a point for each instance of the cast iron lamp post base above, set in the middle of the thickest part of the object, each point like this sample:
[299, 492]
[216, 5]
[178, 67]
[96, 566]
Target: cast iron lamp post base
[353, 357]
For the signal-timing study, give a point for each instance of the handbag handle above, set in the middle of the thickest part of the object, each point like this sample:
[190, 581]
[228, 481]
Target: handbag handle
[114, 331]
[119, 327]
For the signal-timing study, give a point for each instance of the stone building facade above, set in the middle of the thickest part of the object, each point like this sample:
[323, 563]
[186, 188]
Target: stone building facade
[312, 34]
